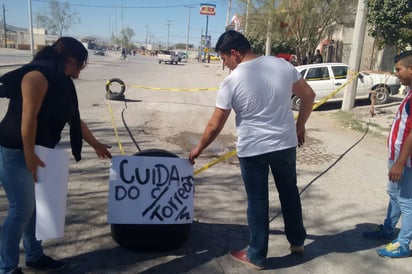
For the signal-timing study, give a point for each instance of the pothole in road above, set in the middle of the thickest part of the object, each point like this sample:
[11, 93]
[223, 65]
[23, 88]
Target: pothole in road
[187, 140]
[313, 152]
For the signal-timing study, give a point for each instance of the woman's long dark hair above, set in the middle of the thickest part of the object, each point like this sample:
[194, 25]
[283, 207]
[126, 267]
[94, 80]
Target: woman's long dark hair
[64, 49]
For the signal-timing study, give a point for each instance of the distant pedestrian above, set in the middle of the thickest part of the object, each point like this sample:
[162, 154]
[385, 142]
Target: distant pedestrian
[42, 100]
[305, 60]
[317, 58]
[259, 90]
[123, 54]
[399, 186]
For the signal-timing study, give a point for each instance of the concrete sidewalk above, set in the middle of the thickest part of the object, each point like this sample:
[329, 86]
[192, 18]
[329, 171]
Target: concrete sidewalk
[341, 175]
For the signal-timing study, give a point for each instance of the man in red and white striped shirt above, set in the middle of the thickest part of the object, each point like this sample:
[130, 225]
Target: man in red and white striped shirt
[399, 186]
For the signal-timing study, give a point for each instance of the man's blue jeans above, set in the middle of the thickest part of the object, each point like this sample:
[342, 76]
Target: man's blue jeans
[400, 203]
[255, 172]
[20, 222]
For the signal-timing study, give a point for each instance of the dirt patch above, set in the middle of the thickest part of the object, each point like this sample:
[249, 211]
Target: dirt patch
[187, 140]
[314, 153]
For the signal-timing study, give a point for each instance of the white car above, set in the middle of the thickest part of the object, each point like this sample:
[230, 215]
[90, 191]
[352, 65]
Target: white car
[324, 78]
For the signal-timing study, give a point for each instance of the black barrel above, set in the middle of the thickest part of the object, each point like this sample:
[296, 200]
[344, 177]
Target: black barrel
[151, 237]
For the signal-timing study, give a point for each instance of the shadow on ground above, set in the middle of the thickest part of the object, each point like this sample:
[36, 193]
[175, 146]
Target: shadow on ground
[209, 241]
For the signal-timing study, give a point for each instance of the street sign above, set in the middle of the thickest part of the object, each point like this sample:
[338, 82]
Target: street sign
[208, 9]
[206, 41]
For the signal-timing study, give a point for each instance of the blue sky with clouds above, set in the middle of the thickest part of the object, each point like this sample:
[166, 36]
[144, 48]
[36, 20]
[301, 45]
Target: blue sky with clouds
[155, 20]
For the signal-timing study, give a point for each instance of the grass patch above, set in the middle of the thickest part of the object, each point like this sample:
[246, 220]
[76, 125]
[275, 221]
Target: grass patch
[349, 120]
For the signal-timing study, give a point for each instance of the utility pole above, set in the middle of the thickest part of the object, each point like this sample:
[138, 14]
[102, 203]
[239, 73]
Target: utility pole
[355, 56]
[147, 36]
[269, 30]
[229, 5]
[168, 32]
[31, 29]
[4, 26]
[122, 31]
[247, 16]
[188, 31]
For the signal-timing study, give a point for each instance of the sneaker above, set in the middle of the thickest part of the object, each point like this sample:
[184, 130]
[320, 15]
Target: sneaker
[46, 263]
[299, 249]
[241, 256]
[378, 233]
[393, 250]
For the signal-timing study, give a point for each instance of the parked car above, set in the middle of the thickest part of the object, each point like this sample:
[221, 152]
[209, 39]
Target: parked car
[325, 78]
[99, 52]
[214, 57]
[168, 56]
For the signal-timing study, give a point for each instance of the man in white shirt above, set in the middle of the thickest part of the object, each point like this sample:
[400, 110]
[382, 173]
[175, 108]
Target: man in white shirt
[259, 90]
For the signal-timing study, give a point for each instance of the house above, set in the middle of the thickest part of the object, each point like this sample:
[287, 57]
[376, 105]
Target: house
[19, 38]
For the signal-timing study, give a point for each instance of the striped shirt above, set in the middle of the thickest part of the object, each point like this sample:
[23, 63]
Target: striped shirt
[401, 126]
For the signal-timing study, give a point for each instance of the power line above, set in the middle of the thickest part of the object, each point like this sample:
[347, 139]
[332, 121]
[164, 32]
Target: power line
[129, 7]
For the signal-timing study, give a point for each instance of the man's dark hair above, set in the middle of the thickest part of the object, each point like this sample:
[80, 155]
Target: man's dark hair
[232, 39]
[405, 56]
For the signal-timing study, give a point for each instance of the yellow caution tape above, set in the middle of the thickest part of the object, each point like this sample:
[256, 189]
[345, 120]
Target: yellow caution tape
[332, 94]
[115, 127]
[232, 152]
[214, 162]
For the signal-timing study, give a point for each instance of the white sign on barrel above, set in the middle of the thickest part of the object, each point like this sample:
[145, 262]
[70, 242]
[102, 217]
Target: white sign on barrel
[150, 190]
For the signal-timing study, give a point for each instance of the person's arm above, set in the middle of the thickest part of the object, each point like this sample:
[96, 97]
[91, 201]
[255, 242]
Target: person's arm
[307, 96]
[101, 149]
[33, 89]
[212, 130]
[395, 172]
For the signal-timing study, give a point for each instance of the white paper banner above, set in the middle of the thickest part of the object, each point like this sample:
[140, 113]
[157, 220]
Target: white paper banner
[150, 190]
[51, 193]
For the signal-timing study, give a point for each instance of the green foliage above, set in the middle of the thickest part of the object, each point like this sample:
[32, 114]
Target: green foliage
[287, 45]
[58, 18]
[124, 39]
[295, 24]
[310, 21]
[390, 22]
[183, 46]
[257, 42]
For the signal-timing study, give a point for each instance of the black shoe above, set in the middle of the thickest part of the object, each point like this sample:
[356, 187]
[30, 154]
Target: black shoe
[17, 271]
[46, 263]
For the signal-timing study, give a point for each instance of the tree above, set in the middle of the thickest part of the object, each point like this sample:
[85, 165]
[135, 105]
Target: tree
[124, 39]
[59, 17]
[390, 22]
[300, 24]
[310, 21]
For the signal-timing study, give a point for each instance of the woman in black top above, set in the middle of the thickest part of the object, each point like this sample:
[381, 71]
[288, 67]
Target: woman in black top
[42, 100]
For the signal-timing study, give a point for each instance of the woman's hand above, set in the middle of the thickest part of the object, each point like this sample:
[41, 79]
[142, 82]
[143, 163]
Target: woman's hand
[102, 151]
[32, 162]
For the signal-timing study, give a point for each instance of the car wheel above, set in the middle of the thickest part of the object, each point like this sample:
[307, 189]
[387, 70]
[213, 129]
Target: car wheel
[382, 95]
[110, 95]
[295, 103]
[160, 61]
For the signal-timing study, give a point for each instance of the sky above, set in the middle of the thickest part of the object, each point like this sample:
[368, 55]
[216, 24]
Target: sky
[157, 21]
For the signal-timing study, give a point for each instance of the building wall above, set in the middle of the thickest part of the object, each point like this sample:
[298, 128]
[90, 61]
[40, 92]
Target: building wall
[372, 58]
